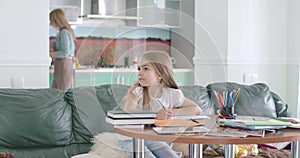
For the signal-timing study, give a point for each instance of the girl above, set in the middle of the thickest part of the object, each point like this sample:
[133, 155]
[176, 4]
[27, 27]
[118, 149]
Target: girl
[157, 91]
[63, 52]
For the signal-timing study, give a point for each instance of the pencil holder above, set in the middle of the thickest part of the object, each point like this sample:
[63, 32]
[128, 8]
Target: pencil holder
[227, 101]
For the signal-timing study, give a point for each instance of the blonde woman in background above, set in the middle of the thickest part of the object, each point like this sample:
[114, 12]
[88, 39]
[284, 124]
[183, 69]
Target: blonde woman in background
[156, 90]
[63, 50]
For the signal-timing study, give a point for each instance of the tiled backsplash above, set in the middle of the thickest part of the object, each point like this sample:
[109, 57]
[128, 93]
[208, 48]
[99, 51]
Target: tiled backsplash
[109, 46]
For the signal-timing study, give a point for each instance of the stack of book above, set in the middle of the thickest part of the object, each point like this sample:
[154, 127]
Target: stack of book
[295, 122]
[224, 131]
[254, 124]
[247, 126]
[130, 118]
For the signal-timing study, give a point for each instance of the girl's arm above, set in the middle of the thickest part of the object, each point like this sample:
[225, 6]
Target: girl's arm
[131, 99]
[188, 107]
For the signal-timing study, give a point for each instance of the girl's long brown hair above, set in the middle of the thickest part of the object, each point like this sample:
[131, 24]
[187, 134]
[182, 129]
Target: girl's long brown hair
[58, 19]
[161, 63]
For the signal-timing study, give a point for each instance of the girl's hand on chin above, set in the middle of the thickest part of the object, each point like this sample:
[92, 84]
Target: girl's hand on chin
[164, 114]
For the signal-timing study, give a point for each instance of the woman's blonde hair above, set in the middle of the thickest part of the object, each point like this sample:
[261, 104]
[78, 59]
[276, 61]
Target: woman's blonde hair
[162, 65]
[58, 19]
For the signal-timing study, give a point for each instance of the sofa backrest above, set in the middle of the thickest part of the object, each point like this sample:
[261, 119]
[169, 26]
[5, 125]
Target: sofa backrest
[50, 117]
[34, 118]
[254, 100]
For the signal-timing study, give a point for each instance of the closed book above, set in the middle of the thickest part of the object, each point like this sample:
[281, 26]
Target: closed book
[269, 122]
[138, 126]
[124, 121]
[138, 114]
[254, 125]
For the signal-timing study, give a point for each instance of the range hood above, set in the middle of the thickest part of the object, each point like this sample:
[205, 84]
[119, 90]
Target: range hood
[109, 9]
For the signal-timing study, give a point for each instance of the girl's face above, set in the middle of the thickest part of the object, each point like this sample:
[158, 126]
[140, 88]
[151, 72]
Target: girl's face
[147, 76]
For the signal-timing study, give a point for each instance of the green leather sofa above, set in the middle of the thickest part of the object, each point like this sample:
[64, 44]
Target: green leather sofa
[48, 123]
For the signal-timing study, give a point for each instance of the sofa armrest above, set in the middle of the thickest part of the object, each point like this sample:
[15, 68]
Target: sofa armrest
[281, 106]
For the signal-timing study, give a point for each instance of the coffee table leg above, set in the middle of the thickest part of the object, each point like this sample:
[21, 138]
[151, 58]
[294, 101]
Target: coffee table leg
[229, 151]
[195, 150]
[138, 148]
[295, 149]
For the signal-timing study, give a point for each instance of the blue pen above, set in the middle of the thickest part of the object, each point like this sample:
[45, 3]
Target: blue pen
[225, 99]
[161, 104]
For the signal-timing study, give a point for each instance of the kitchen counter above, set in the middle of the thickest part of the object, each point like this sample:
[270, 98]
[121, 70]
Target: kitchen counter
[91, 70]
[125, 76]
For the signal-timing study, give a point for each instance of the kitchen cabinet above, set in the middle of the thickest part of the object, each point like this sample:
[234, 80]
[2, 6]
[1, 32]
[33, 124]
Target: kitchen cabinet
[124, 76]
[84, 12]
[108, 9]
[144, 13]
[158, 13]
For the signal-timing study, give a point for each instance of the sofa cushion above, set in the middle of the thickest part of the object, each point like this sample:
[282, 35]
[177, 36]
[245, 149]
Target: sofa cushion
[61, 151]
[254, 100]
[199, 95]
[34, 118]
[111, 96]
[81, 99]
[90, 105]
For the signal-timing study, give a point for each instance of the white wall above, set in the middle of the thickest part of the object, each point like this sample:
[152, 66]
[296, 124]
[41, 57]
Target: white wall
[24, 42]
[257, 31]
[263, 40]
[257, 42]
[293, 54]
[210, 41]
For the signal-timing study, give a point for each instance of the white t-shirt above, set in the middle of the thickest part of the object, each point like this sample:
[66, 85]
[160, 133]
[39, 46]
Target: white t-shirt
[171, 98]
